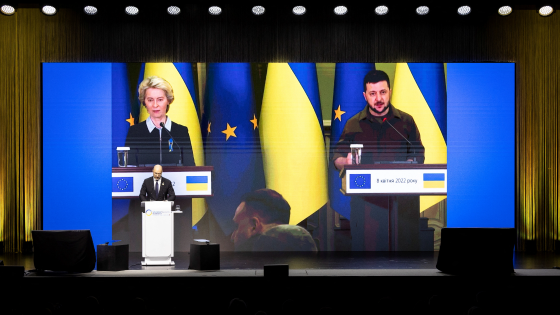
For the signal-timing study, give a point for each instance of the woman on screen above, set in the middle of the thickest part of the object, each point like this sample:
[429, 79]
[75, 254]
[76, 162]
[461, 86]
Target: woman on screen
[158, 140]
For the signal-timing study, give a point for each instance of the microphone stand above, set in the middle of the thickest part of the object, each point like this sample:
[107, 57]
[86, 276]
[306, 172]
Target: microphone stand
[170, 136]
[413, 149]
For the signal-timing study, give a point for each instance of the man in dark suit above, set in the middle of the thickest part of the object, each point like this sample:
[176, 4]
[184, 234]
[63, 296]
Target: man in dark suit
[157, 188]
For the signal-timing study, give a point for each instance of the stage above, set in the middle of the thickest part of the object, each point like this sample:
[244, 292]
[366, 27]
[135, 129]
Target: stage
[345, 282]
[307, 264]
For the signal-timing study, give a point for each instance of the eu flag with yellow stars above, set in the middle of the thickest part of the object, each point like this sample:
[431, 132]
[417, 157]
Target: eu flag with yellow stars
[294, 154]
[123, 100]
[348, 100]
[231, 138]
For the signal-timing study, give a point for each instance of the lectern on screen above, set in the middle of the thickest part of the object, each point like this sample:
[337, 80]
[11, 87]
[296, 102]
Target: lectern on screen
[271, 125]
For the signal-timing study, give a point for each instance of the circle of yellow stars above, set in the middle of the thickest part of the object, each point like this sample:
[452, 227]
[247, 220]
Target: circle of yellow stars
[230, 131]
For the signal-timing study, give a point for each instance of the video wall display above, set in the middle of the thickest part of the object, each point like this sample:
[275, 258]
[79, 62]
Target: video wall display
[434, 142]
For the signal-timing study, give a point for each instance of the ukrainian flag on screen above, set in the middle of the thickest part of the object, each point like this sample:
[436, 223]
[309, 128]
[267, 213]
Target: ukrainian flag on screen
[434, 180]
[197, 183]
[420, 90]
[360, 181]
[123, 184]
[291, 134]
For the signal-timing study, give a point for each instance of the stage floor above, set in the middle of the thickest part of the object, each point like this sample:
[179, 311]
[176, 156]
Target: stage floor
[235, 264]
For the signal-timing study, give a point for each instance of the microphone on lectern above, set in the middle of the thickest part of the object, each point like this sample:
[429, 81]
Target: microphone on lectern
[414, 150]
[180, 149]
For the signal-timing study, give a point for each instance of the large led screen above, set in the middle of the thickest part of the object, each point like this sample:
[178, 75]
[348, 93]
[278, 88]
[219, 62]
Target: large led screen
[277, 136]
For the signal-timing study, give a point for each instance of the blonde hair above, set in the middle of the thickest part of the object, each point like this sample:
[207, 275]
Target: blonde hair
[156, 83]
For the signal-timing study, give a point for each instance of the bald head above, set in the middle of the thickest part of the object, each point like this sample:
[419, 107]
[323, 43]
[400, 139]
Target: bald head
[158, 170]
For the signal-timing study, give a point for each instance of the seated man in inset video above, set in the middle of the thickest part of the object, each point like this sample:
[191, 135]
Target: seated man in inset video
[262, 220]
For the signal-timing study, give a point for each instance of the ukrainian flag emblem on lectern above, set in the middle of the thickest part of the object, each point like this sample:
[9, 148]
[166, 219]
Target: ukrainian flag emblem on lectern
[197, 183]
[434, 180]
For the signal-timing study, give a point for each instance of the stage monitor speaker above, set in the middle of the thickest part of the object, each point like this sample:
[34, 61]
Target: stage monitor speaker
[68, 250]
[205, 257]
[476, 250]
[277, 271]
[11, 271]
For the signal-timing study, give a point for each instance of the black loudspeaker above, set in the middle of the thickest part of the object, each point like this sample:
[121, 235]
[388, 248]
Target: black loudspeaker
[476, 250]
[205, 257]
[277, 271]
[69, 250]
[112, 257]
[11, 271]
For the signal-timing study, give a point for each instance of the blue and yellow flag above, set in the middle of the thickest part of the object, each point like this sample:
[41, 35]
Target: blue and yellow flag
[122, 103]
[348, 100]
[420, 90]
[231, 139]
[183, 110]
[292, 140]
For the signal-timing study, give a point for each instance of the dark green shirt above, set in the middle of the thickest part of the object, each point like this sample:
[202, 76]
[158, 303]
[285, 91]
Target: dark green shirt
[381, 142]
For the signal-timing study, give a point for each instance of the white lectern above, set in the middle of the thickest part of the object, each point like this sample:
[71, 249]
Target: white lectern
[157, 233]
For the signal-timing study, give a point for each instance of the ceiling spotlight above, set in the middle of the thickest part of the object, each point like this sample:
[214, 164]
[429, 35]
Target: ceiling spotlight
[422, 10]
[131, 10]
[7, 9]
[464, 10]
[173, 10]
[340, 10]
[48, 10]
[546, 10]
[258, 10]
[214, 10]
[381, 10]
[299, 10]
[505, 10]
[90, 10]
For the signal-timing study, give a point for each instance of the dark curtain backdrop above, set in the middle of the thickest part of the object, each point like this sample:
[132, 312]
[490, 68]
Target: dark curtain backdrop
[29, 38]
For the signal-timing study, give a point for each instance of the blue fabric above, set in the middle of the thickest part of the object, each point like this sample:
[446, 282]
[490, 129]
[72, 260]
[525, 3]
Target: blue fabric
[237, 161]
[348, 93]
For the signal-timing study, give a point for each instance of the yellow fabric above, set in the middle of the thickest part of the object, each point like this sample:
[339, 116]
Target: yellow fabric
[408, 98]
[181, 111]
[292, 143]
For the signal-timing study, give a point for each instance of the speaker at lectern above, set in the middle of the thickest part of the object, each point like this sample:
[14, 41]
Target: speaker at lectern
[157, 233]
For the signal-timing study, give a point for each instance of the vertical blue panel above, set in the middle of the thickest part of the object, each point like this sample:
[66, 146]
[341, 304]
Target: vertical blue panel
[481, 145]
[77, 148]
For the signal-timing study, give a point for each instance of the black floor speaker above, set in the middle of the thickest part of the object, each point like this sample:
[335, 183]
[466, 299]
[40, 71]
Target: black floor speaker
[66, 250]
[112, 257]
[277, 271]
[205, 257]
[476, 250]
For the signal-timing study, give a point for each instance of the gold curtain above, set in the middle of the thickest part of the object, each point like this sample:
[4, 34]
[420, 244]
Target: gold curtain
[29, 38]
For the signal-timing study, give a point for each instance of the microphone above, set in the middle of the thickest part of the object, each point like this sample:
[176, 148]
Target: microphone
[413, 149]
[180, 149]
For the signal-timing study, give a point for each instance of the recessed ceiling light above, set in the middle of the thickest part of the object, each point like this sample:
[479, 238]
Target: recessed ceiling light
[340, 10]
[381, 10]
[48, 10]
[7, 9]
[299, 10]
[173, 10]
[90, 10]
[546, 10]
[464, 10]
[258, 10]
[422, 10]
[505, 10]
[214, 10]
[131, 10]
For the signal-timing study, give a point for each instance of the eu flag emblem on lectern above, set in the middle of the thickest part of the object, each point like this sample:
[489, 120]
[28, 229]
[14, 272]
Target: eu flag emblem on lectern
[360, 181]
[123, 184]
